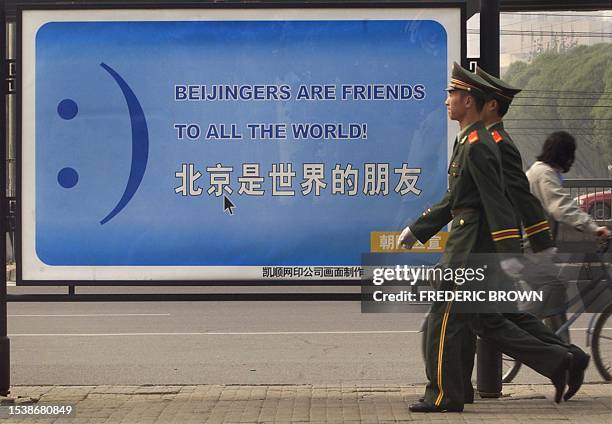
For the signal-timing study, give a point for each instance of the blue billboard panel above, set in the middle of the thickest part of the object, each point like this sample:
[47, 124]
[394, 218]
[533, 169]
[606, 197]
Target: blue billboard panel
[217, 144]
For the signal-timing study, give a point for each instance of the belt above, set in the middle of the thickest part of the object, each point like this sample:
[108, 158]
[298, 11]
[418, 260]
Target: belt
[459, 211]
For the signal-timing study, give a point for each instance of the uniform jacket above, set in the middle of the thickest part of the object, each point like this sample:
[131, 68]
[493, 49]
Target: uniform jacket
[475, 183]
[527, 207]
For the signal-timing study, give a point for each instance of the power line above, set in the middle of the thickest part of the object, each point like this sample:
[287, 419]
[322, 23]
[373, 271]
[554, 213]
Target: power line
[561, 127]
[531, 21]
[556, 14]
[515, 130]
[576, 106]
[552, 130]
[567, 91]
[564, 105]
[605, 97]
[578, 34]
[558, 119]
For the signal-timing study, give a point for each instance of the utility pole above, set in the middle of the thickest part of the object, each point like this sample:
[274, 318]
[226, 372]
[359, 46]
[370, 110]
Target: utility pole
[5, 346]
[489, 365]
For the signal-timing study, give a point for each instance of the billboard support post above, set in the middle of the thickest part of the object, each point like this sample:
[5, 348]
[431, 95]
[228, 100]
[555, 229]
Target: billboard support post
[5, 362]
[489, 382]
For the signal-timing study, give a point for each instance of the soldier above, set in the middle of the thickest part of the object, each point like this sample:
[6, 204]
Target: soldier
[482, 221]
[529, 211]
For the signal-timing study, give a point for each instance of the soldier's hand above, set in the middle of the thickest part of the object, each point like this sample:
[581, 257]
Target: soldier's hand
[512, 267]
[406, 239]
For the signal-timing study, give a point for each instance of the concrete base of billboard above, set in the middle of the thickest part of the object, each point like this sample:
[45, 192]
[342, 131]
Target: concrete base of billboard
[11, 272]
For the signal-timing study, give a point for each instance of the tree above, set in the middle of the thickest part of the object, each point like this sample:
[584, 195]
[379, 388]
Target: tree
[569, 91]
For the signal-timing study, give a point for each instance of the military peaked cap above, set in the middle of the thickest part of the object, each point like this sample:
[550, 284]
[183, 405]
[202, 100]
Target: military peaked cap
[462, 79]
[503, 90]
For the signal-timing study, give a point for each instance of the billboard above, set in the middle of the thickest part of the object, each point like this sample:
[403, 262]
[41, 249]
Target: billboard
[228, 144]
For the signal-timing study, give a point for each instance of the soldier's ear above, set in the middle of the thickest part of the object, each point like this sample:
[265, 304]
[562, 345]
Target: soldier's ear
[469, 100]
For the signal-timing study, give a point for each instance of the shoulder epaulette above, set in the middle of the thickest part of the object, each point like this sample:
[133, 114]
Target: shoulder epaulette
[497, 137]
[473, 137]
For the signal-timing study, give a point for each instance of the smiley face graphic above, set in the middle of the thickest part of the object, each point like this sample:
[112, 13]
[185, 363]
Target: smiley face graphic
[68, 177]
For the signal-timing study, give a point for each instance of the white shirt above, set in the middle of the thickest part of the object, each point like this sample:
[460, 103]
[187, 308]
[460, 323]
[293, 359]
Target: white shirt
[545, 184]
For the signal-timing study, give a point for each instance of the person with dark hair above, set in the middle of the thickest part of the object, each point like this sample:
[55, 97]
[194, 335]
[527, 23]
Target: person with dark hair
[546, 183]
[559, 150]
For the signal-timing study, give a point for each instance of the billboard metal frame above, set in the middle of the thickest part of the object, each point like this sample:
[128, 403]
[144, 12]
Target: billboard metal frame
[461, 5]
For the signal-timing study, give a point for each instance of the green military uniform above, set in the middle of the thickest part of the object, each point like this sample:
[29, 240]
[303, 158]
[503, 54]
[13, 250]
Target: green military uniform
[526, 206]
[529, 210]
[482, 222]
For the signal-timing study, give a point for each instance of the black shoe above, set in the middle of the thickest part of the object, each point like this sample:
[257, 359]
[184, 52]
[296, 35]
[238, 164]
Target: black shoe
[428, 407]
[470, 400]
[576, 373]
[559, 377]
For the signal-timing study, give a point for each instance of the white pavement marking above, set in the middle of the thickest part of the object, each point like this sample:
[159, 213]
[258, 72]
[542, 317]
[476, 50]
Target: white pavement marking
[89, 315]
[585, 329]
[261, 333]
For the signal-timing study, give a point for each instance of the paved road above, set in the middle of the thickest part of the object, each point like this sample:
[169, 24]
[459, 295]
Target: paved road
[133, 343]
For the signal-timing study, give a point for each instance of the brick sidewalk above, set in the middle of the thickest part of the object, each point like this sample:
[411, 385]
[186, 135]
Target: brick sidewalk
[302, 404]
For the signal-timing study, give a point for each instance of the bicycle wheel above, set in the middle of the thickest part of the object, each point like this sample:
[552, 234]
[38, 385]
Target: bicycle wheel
[510, 368]
[601, 344]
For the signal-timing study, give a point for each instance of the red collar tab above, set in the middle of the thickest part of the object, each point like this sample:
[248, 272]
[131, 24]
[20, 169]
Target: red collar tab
[473, 137]
[497, 137]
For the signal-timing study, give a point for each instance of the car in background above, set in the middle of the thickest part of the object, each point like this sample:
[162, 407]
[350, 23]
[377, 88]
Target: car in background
[597, 204]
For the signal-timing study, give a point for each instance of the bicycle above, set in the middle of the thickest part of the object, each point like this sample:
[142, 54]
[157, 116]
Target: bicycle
[599, 336]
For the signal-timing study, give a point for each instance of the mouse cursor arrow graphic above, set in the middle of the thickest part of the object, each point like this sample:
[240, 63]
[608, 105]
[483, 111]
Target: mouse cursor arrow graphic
[228, 206]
